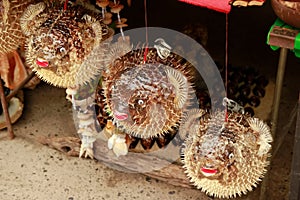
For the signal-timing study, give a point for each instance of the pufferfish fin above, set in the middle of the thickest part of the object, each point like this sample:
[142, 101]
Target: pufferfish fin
[29, 15]
[181, 85]
[118, 49]
[265, 136]
[96, 26]
[88, 18]
[189, 122]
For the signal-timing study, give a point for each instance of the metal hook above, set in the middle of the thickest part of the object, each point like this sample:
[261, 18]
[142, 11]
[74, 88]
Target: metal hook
[233, 106]
[163, 49]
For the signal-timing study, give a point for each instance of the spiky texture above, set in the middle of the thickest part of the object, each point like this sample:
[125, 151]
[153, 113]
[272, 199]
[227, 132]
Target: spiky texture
[146, 97]
[226, 158]
[60, 42]
[11, 36]
[137, 145]
[29, 15]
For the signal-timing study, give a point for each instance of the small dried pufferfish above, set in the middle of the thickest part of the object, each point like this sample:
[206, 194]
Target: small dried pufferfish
[225, 159]
[146, 97]
[60, 40]
[11, 36]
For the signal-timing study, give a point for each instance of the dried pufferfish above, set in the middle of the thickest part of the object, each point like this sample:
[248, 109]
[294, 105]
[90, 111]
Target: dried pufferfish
[146, 95]
[60, 40]
[135, 144]
[11, 35]
[225, 159]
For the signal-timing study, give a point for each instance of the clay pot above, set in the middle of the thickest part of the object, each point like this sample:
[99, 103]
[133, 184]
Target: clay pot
[259, 91]
[288, 11]
[249, 111]
[254, 101]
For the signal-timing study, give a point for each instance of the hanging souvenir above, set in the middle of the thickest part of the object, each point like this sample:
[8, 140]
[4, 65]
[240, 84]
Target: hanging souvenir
[60, 37]
[226, 153]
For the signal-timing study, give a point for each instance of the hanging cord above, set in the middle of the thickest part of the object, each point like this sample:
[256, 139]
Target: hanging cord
[146, 25]
[226, 57]
[66, 5]
[226, 63]
[229, 103]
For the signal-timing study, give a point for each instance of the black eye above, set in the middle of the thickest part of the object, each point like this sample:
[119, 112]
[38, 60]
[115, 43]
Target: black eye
[62, 50]
[140, 102]
[231, 155]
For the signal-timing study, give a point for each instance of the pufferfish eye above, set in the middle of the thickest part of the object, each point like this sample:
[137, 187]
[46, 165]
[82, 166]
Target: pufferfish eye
[140, 102]
[231, 155]
[62, 50]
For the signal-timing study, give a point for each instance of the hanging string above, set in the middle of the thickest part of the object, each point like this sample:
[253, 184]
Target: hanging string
[66, 5]
[226, 63]
[119, 20]
[146, 27]
[226, 57]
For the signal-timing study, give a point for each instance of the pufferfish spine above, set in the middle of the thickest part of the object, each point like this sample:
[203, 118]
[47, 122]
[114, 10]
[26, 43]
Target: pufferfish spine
[60, 42]
[11, 36]
[226, 158]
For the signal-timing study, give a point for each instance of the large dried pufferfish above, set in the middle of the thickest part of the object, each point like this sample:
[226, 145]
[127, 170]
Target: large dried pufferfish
[11, 35]
[146, 95]
[225, 158]
[59, 41]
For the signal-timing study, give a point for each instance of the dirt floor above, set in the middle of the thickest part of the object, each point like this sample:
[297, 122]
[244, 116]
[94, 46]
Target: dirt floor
[29, 170]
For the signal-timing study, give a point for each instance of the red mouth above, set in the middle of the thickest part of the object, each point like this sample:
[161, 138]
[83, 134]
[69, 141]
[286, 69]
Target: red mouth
[42, 63]
[120, 116]
[208, 172]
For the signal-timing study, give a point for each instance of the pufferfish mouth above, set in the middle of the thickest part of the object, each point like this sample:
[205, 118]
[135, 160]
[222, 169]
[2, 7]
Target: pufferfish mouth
[208, 171]
[42, 62]
[120, 116]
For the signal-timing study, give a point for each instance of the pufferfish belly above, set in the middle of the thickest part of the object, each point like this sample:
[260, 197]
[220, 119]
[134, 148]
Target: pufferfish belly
[225, 158]
[59, 42]
[146, 98]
